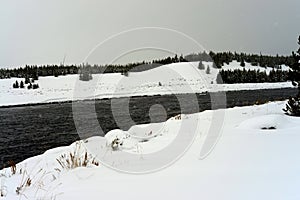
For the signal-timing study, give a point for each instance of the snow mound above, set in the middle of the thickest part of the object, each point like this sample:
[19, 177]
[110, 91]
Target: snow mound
[268, 122]
[146, 132]
[119, 140]
[153, 137]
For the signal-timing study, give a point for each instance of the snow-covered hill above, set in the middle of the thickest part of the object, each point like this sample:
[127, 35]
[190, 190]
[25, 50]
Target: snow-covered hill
[167, 79]
[250, 161]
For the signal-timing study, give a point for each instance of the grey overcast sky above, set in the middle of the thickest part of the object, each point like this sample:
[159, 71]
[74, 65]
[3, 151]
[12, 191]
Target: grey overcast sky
[39, 32]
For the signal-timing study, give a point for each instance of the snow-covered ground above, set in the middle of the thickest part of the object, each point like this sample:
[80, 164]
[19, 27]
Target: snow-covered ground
[256, 157]
[169, 79]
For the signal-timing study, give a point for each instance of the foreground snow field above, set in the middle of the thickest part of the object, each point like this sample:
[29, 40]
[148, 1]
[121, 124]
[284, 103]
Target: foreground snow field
[169, 79]
[255, 158]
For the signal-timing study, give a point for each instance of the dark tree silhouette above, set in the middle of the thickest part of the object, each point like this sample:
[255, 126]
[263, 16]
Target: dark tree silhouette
[29, 86]
[22, 84]
[85, 73]
[243, 64]
[16, 84]
[220, 58]
[208, 70]
[293, 105]
[27, 80]
[201, 66]
[35, 86]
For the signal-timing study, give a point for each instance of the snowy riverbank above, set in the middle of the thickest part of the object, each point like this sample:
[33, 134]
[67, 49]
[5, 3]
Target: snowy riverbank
[256, 157]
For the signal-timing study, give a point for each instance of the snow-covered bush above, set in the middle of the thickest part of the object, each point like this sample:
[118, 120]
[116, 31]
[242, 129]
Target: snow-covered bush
[115, 139]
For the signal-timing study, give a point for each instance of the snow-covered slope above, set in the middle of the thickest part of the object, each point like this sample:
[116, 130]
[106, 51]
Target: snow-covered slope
[168, 79]
[248, 162]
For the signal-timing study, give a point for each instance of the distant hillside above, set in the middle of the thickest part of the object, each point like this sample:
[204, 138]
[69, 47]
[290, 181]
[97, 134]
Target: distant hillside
[220, 59]
[176, 78]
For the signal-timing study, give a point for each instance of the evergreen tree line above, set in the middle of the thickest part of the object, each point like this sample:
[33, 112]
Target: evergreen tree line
[34, 71]
[256, 60]
[253, 76]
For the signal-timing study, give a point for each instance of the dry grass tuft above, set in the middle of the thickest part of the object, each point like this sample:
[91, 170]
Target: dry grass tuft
[78, 158]
[25, 182]
[12, 166]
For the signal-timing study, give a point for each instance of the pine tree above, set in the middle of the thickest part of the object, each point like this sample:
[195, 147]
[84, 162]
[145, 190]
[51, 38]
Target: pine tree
[35, 76]
[55, 73]
[22, 84]
[85, 73]
[243, 64]
[29, 86]
[295, 74]
[201, 66]
[293, 105]
[219, 78]
[27, 80]
[17, 84]
[208, 70]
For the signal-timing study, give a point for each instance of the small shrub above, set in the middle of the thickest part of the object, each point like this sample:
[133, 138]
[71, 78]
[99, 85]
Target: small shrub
[25, 182]
[177, 117]
[269, 128]
[28, 182]
[126, 73]
[78, 158]
[115, 144]
[35, 86]
[12, 166]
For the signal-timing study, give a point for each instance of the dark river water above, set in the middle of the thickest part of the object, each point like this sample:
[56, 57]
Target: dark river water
[30, 130]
